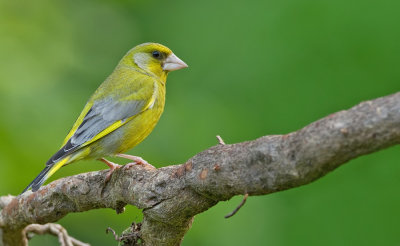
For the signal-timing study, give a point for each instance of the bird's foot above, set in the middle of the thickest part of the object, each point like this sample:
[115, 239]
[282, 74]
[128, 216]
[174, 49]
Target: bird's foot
[137, 161]
[112, 166]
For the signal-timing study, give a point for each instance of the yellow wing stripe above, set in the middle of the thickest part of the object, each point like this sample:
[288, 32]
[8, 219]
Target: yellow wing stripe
[77, 123]
[117, 124]
[108, 130]
[56, 166]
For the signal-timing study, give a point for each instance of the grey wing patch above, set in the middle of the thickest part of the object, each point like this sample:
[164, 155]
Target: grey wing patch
[65, 150]
[103, 114]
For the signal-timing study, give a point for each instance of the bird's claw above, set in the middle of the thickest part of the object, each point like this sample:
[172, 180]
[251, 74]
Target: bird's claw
[129, 165]
[145, 165]
[112, 167]
[111, 171]
[137, 161]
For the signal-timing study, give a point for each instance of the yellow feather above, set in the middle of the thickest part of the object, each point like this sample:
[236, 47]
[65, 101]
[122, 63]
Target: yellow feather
[57, 166]
[78, 122]
[108, 130]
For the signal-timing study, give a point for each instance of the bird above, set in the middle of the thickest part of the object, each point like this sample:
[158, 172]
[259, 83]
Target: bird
[120, 114]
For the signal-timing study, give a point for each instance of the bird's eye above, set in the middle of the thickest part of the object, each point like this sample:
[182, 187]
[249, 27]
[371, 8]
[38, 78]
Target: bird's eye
[156, 54]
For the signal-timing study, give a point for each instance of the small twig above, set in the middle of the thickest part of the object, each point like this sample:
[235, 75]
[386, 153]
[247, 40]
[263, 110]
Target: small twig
[109, 229]
[76, 242]
[54, 229]
[220, 140]
[238, 207]
[131, 236]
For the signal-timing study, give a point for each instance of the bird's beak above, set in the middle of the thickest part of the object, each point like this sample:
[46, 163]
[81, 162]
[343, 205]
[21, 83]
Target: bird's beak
[173, 63]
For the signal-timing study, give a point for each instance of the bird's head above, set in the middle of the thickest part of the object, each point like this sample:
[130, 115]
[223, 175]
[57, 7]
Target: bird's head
[154, 59]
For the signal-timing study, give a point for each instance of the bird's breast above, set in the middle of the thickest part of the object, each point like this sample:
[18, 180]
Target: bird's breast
[136, 130]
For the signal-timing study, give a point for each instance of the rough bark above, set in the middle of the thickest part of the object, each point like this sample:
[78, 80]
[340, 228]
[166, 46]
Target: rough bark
[172, 195]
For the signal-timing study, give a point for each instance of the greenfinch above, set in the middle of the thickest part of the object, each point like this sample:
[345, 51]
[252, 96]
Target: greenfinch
[121, 112]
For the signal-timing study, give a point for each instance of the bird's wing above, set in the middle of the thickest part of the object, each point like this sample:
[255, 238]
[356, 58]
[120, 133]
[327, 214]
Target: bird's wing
[103, 117]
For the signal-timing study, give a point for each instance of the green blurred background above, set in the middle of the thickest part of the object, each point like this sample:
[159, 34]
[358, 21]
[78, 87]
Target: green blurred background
[256, 68]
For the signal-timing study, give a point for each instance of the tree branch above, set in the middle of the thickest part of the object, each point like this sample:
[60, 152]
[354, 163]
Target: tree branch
[172, 195]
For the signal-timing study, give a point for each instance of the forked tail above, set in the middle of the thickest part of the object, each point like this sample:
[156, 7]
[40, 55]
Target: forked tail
[45, 174]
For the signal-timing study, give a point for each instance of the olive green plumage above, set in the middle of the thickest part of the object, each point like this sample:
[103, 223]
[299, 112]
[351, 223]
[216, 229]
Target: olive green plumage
[121, 112]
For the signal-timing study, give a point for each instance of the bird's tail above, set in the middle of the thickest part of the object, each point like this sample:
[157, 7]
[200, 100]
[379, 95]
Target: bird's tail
[45, 174]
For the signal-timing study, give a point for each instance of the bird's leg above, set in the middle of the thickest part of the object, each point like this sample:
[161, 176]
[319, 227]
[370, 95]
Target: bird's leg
[137, 160]
[112, 166]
